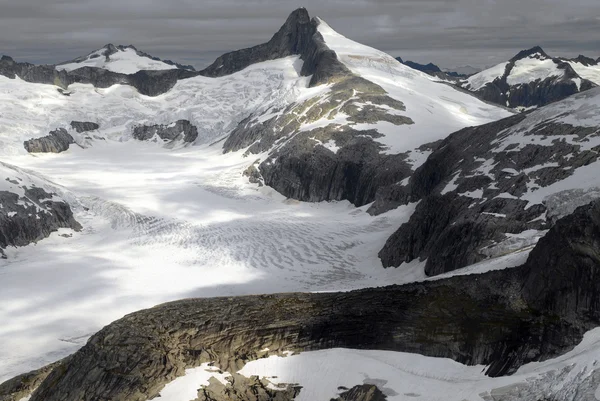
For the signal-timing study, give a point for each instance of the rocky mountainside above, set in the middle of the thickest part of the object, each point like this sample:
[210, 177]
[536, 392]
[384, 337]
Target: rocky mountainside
[28, 212]
[530, 79]
[494, 188]
[550, 301]
[120, 59]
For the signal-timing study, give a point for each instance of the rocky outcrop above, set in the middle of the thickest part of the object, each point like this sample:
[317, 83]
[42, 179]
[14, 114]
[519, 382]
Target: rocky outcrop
[472, 189]
[364, 392]
[241, 388]
[22, 386]
[179, 130]
[537, 92]
[303, 171]
[31, 217]
[150, 83]
[84, 126]
[57, 141]
[503, 319]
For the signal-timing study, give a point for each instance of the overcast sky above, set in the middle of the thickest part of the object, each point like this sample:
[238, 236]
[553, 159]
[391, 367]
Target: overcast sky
[448, 32]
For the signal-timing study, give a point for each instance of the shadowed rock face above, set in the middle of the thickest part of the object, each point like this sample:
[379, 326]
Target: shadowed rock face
[503, 319]
[180, 129]
[24, 220]
[57, 141]
[301, 170]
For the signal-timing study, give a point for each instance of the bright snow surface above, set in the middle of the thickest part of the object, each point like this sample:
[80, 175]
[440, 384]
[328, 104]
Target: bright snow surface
[163, 224]
[124, 61]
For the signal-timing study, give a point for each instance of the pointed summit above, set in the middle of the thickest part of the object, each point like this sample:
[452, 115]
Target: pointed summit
[536, 50]
[292, 38]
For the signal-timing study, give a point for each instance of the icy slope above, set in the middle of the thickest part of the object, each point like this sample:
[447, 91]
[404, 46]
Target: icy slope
[213, 105]
[122, 59]
[435, 108]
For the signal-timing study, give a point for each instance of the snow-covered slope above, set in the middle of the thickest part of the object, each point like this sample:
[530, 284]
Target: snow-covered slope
[587, 68]
[531, 79]
[121, 59]
[435, 108]
[215, 106]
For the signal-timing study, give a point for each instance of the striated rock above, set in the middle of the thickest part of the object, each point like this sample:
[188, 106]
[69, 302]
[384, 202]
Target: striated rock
[81, 126]
[23, 385]
[57, 141]
[503, 319]
[180, 129]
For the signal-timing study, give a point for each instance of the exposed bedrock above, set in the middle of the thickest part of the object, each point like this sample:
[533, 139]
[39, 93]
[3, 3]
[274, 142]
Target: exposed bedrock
[303, 171]
[364, 392]
[32, 217]
[503, 319]
[180, 129]
[57, 141]
[84, 126]
[469, 191]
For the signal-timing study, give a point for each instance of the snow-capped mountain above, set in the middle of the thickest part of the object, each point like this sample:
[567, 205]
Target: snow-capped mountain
[120, 59]
[586, 67]
[530, 79]
[179, 184]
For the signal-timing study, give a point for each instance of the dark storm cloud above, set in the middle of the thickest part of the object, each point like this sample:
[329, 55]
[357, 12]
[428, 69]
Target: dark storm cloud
[450, 32]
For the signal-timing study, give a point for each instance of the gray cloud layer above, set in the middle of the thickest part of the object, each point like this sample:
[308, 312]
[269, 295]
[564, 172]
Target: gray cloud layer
[448, 32]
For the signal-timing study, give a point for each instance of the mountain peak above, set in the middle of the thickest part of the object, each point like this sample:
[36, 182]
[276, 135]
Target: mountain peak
[299, 15]
[530, 52]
